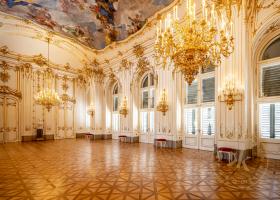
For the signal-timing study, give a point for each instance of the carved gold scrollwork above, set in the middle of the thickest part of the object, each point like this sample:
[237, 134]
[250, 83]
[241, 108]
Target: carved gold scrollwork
[40, 60]
[5, 90]
[4, 50]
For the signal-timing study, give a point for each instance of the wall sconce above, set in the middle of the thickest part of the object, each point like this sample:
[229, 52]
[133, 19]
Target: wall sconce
[230, 93]
[90, 110]
[123, 109]
[162, 105]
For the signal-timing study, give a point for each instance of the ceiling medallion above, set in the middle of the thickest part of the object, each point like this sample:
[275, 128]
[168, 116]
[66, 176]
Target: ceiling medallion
[194, 43]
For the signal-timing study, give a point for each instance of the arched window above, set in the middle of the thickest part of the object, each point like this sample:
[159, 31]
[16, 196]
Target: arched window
[269, 91]
[115, 115]
[147, 104]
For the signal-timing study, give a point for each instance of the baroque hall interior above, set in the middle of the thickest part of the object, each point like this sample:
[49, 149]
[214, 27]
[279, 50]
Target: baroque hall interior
[140, 99]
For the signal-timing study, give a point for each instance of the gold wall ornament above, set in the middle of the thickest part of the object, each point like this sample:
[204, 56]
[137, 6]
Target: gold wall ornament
[138, 51]
[66, 98]
[123, 109]
[4, 50]
[4, 75]
[162, 105]
[40, 60]
[6, 90]
[227, 5]
[194, 43]
[230, 93]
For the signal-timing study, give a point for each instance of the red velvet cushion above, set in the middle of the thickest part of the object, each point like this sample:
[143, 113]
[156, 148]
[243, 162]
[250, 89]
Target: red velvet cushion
[226, 149]
[161, 140]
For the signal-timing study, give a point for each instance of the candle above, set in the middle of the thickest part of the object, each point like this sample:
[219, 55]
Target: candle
[194, 11]
[203, 8]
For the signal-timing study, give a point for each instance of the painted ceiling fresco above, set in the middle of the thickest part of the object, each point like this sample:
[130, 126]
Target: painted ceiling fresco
[95, 23]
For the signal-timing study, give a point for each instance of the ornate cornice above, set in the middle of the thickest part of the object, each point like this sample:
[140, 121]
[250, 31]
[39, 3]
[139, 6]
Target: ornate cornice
[39, 60]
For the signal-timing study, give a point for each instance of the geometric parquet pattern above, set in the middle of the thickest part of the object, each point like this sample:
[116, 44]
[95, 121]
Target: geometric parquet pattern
[80, 169]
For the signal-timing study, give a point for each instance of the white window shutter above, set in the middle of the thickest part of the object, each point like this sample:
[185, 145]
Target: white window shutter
[208, 90]
[192, 93]
[271, 81]
[265, 120]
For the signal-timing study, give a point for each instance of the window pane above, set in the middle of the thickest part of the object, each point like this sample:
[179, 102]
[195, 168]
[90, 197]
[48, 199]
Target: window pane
[152, 124]
[145, 98]
[145, 82]
[271, 81]
[273, 50]
[208, 90]
[265, 120]
[211, 68]
[192, 93]
[144, 122]
[190, 121]
[115, 89]
[151, 80]
[270, 120]
[116, 103]
[115, 122]
[208, 120]
[152, 93]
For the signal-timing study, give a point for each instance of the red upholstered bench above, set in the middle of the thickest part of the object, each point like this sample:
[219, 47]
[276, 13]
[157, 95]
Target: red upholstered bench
[161, 142]
[226, 150]
[122, 138]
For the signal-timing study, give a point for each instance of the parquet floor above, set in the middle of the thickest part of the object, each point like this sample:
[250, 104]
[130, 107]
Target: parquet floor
[79, 169]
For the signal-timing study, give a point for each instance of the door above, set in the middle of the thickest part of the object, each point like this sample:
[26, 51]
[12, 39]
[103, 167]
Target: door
[9, 128]
[199, 127]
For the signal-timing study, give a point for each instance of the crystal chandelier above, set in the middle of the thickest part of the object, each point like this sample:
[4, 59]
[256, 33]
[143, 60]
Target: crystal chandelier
[47, 97]
[193, 44]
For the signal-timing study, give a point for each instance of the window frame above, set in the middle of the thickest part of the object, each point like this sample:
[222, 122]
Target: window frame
[200, 104]
[149, 109]
[115, 112]
[260, 99]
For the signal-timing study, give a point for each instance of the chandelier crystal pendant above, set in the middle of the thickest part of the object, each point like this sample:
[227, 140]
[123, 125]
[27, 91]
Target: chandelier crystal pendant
[48, 97]
[193, 44]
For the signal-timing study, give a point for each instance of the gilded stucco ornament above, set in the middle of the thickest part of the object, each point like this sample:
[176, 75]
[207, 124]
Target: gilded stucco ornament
[6, 90]
[40, 60]
[142, 62]
[4, 75]
[4, 50]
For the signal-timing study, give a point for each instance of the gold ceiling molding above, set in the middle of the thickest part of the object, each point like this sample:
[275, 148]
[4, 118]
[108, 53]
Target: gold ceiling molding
[39, 60]
[42, 31]
[6, 90]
